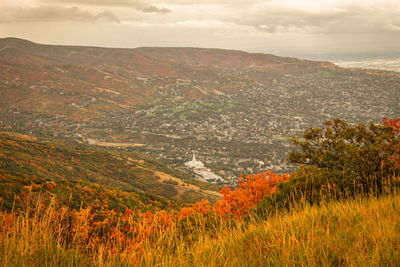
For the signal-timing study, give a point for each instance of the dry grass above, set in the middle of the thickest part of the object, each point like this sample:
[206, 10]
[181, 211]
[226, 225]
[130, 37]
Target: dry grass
[365, 231]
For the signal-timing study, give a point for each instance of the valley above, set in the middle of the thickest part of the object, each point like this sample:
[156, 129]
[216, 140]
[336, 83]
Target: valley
[234, 110]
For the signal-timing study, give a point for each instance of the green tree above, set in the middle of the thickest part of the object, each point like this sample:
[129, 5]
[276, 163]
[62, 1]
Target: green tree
[348, 156]
[336, 161]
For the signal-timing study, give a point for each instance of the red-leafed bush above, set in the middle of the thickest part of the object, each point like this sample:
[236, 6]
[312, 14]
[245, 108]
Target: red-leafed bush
[248, 193]
[395, 124]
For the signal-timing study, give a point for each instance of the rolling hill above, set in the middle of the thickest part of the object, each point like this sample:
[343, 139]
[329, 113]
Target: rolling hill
[89, 175]
[82, 82]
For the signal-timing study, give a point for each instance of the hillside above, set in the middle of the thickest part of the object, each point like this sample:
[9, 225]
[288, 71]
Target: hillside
[339, 209]
[361, 232]
[89, 174]
[83, 82]
[150, 60]
[234, 109]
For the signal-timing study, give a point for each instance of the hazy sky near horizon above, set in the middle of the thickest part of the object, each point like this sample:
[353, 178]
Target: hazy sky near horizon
[283, 27]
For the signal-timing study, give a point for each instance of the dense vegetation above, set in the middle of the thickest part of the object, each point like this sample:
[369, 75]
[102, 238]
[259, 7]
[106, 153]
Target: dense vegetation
[343, 160]
[79, 174]
[312, 217]
[359, 232]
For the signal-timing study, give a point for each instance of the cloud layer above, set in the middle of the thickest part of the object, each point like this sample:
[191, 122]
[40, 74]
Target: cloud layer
[138, 5]
[282, 26]
[54, 13]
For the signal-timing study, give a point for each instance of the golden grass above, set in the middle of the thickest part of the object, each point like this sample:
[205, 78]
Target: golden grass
[360, 232]
[352, 233]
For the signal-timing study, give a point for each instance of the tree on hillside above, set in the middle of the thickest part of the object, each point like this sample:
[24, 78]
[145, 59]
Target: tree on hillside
[349, 156]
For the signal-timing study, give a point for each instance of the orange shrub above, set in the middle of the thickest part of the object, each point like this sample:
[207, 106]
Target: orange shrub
[248, 193]
[202, 207]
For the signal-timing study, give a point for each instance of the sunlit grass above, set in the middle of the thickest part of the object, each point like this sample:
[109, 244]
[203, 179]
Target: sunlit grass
[358, 232]
[362, 231]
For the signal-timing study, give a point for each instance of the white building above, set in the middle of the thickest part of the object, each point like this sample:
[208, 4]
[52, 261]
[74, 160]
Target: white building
[194, 164]
[203, 173]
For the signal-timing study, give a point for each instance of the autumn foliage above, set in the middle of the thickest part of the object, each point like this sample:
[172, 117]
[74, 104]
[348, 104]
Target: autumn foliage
[87, 228]
[395, 124]
[94, 227]
[140, 226]
[249, 192]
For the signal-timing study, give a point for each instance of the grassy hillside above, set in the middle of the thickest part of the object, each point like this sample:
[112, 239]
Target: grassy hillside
[313, 217]
[360, 232]
[62, 168]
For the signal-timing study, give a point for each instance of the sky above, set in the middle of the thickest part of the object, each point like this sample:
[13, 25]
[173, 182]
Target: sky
[301, 28]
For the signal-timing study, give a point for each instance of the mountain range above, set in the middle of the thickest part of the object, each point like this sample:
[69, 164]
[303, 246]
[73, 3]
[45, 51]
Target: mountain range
[83, 82]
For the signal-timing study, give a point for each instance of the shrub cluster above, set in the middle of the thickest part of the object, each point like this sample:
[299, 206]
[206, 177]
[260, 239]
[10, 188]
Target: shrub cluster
[338, 161]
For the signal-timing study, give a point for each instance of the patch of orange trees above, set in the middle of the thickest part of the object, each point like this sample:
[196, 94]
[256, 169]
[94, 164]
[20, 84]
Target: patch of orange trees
[236, 203]
[87, 229]
[249, 192]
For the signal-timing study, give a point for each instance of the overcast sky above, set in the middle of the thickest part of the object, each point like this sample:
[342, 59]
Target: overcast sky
[303, 28]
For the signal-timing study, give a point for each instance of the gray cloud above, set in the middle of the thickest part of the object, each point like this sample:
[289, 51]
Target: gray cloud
[392, 27]
[137, 5]
[339, 19]
[54, 13]
[205, 2]
[282, 26]
[287, 20]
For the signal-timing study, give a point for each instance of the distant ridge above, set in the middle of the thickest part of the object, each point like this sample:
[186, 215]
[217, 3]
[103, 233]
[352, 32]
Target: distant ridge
[30, 52]
[81, 82]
